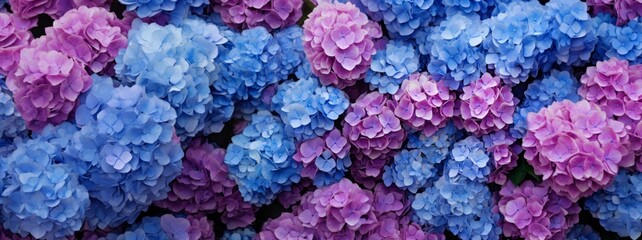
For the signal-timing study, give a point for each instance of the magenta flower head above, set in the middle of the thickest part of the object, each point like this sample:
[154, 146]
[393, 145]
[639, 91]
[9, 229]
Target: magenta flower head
[13, 38]
[501, 145]
[575, 147]
[285, 227]
[91, 36]
[535, 212]
[617, 88]
[46, 86]
[204, 186]
[325, 159]
[375, 132]
[338, 40]
[486, 106]
[30, 9]
[424, 104]
[270, 14]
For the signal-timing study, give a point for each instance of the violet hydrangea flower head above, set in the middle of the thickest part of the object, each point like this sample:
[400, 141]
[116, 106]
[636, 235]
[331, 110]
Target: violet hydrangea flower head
[622, 42]
[287, 226]
[270, 14]
[42, 195]
[260, 159]
[403, 17]
[391, 66]
[455, 49]
[504, 152]
[469, 160]
[582, 232]
[130, 150]
[308, 108]
[520, 43]
[486, 105]
[30, 9]
[338, 40]
[239, 234]
[204, 186]
[46, 86]
[13, 38]
[325, 159]
[572, 32]
[618, 207]
[624, 10]
[375, 132]
[557, 86]
[533, 211]
[576, 147]
[423, 103]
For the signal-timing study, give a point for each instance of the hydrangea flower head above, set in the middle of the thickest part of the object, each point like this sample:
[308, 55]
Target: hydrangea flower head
[131, 154]
[205, 186]
[46, 86]
[535, 212]
[325, 159]
[486, 105]
[12, 39]
[572, 32]
[624, 10]
[557, 86]
[403, 17]
[391, 66]
[340, 49]
[168, 227]
[149, 8]
[307, 108]
[504, 152]
[582, 232]
[239, 234]
[424, 104]
[260, 160]
[270, 14]
[622, 42]
[30, 9]
[12, 125]
[575, 146]
[286, 226]
[483, 8]
[469, 159]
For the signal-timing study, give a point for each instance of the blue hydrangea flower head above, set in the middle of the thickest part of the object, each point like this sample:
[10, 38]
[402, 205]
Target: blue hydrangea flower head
[12, 125]
[572, 31]
[582, 232]
[482, 8]
[456, 52]
[42, 195]
[307, 108]
[148, 8]
[469, 159]
[239, 234]
[260, 159]
[622, 42]
[403, 17]
[391, 66]
[557, 86]
[131, 152]
[177, 64]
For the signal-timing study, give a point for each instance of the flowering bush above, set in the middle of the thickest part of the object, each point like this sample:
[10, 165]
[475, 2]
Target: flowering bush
[391, 66]
[270, 14]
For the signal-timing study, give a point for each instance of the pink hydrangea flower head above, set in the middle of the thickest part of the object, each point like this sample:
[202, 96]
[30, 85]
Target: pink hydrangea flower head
[285, 227]
[486, 106]
[13, 38]
[30, 9]
[338, 40]
[501, 145]
[576, 148]
[535, 212]
[271, 14]
[46, 86]
[424, 104]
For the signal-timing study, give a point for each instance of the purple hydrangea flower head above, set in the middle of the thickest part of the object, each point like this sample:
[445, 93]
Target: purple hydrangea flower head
[572, 31]
[260, 159]
[270, 14]
[13, 38]
[504, 152]
[536, 212]
[325, 159]
[176, 64]
[12, 126]
[287, 226]
[30, 9]
[624, 10]
[618, 206]
[520, 43]
[557, 86]
[486, 106]
[308, 108]
[403, 17]
[469, 160]
[42, 195]
[130, 150]
[338, 40]
[575, 146]
[455, 49]
[582, 232]
[205, 186]
[391, 66]
[375, 132]
[46, 86]
[622, 42]
[424, 104]
[239, 234]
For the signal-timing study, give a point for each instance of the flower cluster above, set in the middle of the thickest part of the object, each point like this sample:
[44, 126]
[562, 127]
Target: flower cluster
[13, 38]
[624, 10]
[307, 108]
[168, 227]
[325, 160]
[557, 86]
[469, 160]
[176, 64]
[417, 165]
[403, 17]
[424, 104]
[270, 14]
[391, 66]
[204, 186]
[260, 159]
[482, 8]
[572, 31]
[149, 8]
[535, 212]
[576, 148]
[128, 150]
[456, 52]
[622, 42]
[582, 232]
[503, 150]
[486, 106]
[239, 234]
[374, 131]
[618, 205]
[12, 126]
[29, 10]
[338, 40]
